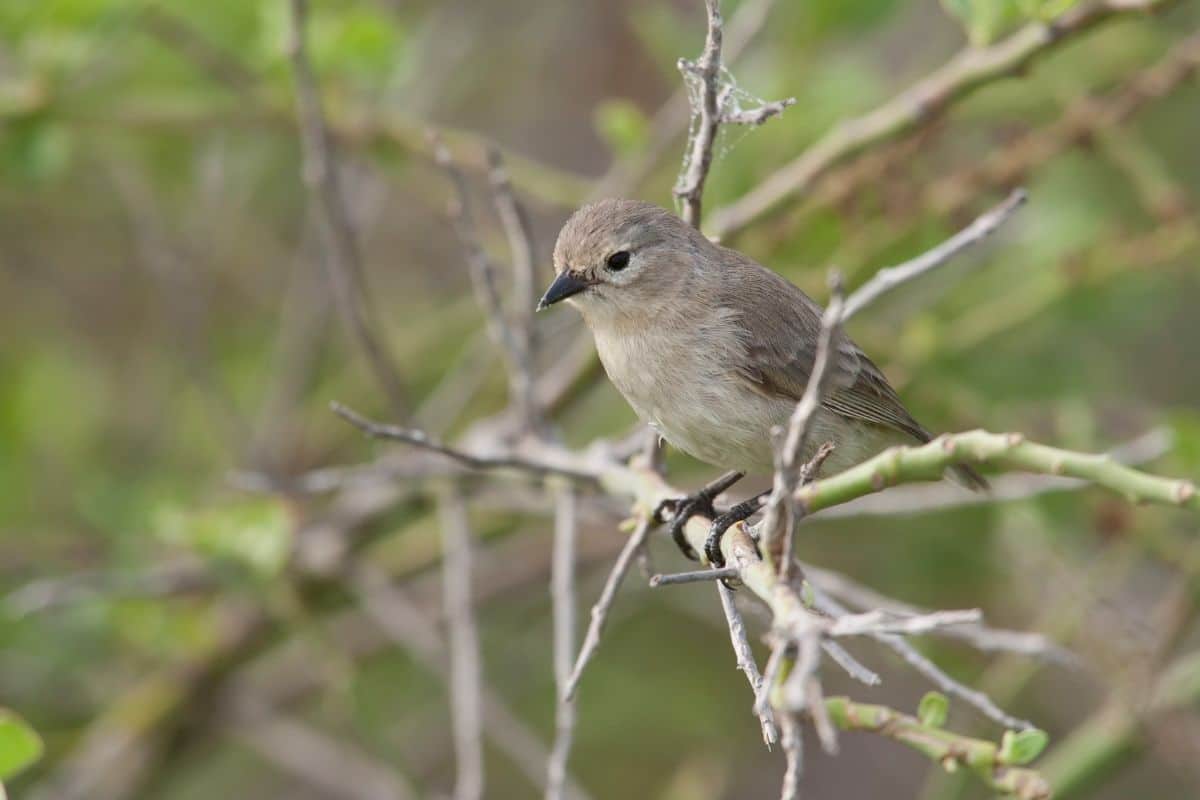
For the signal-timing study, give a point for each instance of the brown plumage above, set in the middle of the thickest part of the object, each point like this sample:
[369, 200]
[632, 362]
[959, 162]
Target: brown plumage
[713, 349]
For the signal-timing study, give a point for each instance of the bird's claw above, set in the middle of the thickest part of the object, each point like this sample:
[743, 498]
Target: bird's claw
[681, 509]
[722, 523]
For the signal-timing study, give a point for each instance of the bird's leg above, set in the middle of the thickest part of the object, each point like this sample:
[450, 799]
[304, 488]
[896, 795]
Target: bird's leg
[742, 511]
[699, 502]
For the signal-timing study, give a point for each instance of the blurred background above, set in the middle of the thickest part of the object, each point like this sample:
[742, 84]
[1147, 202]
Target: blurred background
[175, 615]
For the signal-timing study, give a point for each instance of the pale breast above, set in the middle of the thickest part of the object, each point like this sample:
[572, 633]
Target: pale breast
[680, 378]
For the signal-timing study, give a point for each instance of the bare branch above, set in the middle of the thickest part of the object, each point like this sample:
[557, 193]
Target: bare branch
[513, 340]
[745, 661]
[624, 176]
[889, 278]
[876, 622]
[705, 75]
[419, 438]
[465, 662]
[340, 256]
[321, 761]
[779, 522]
[969, 70]
[712, 106]
[591, 641]
[753, 117]
[850, 664]
[391, 610]
[562, 590]
[695, 576]
[927, 668]
[793, 748]
[979, 636]
[519, 233]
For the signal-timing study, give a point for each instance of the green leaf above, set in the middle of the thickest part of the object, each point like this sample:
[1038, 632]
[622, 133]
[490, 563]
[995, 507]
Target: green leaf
[933, 710]
[1021, 747]
[622, 125]
[255, 533]
[20, 745]
[986, 20]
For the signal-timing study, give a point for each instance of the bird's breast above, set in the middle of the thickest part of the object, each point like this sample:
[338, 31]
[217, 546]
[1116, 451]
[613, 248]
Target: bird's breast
[680, 377]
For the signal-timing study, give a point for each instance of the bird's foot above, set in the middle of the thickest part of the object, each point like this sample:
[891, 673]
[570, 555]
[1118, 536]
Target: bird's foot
[681, 509]
[739, 513]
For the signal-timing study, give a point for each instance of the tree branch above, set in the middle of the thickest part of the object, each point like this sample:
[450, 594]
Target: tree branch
[972, 68]
[951, 750]
[1008, 451]
[340, 254]
[562, 590]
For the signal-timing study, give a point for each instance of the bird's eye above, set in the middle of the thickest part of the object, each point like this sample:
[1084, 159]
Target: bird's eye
[618, 260]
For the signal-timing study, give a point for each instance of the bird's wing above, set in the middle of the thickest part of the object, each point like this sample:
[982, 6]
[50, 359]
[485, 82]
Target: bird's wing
[782, 325]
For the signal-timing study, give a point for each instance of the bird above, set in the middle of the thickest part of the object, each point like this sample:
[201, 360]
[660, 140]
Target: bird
[713, 351]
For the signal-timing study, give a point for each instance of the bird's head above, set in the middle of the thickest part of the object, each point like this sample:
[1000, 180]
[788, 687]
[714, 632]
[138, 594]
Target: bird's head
[622, 258]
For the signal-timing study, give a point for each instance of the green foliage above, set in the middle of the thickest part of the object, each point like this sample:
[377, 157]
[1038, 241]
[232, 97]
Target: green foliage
[146, 350]
[985, 21]
[933, 710]
[622, 125]
[1022, 747]
[20, 746]
[254, 533]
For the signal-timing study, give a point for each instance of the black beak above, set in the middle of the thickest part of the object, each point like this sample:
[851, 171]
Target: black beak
[566, 284]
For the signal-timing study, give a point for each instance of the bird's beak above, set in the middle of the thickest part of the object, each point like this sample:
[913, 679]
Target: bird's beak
[566, 284]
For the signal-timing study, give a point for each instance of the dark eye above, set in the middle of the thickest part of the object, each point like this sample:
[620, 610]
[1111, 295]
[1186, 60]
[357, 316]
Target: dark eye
[618, 260]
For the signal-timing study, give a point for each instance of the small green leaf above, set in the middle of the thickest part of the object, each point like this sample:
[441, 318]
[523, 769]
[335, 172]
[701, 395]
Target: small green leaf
[1021, 747]
[933, 710]
[20, 745]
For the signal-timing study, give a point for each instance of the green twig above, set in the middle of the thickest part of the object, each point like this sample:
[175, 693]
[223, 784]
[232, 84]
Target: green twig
[986, 759]
[1008, 451]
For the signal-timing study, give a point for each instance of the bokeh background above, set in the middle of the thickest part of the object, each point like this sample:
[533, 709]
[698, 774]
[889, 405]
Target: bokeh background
[169, 347]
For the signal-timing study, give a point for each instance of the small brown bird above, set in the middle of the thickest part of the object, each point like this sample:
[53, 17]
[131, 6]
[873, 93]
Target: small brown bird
[713, 350]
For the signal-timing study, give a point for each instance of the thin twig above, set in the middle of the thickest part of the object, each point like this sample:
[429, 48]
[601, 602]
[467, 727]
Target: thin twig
[979, 636]
[969, 70]
[889, 278]
[465, 663]
[321, 761]
[745, 661]
[923, 498]
[562, 591]
[519, 234]
[779, 521]
[853, 667]
[418, 438]
[695, 576]
[513, 340]
[1006, 450]
[405, 623]
[793, 748]
[927, 668]
[591, 641]
[626, 175]
[875, 622]
[343, 265]
[705, 75]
